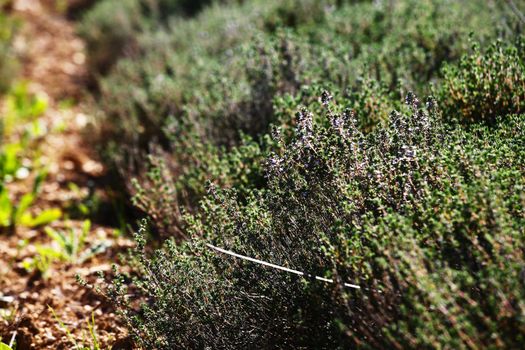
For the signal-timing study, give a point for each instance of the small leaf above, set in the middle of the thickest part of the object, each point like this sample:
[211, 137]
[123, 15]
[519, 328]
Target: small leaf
[46, 217]
[4, 346]
[23, 205]
[6, 209]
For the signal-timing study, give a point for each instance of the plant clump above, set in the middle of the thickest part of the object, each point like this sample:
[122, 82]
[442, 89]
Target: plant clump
[297, 135]
[486, 85]
[426, 218]
[193, 91]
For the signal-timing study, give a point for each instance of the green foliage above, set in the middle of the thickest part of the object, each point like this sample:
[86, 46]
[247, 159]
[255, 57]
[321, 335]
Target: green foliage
[427, 218]
[17, 212]
[292, 115]
[4, 346]
[70, 242]
[111, 27]
[42, 261]
[21, 106]
[192, 89]
[9, 160]
[108, 29]
[486, 85]
[66, 246]
[21, 124]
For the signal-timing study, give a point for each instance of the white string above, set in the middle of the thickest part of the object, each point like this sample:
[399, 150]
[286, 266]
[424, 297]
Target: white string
[282, 268]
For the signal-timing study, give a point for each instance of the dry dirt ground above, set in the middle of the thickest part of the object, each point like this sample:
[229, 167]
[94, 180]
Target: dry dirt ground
[53, 63]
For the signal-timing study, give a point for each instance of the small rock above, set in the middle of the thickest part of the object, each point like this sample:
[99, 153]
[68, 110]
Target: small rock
[6, 300]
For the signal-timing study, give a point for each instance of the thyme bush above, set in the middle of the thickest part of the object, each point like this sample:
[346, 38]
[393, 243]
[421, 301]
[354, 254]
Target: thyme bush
[486, 85]
[290, 134]
[427, 218]
[111, 27]
[192, 89]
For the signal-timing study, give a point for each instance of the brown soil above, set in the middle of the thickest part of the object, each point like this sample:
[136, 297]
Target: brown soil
[53, 62]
